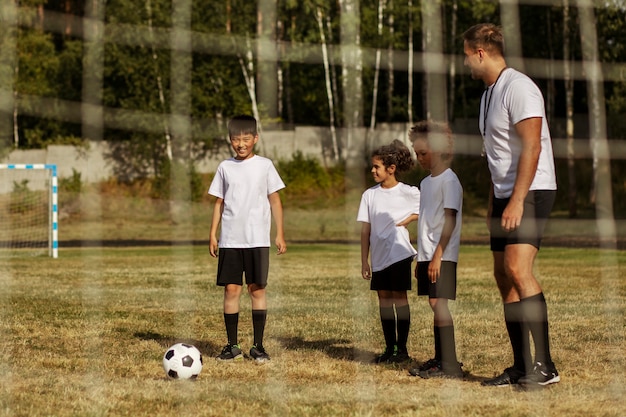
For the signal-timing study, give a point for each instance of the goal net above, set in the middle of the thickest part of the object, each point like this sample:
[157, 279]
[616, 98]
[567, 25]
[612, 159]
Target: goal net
[28, 210]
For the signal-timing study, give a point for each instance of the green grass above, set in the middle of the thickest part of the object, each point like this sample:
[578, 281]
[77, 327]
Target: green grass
[83, 335]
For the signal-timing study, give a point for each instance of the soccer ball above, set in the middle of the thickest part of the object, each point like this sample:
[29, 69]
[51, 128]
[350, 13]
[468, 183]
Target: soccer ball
[182, 361]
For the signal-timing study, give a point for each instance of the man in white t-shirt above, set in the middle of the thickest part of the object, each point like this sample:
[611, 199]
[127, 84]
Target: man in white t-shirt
[519, 154]
[246, 190]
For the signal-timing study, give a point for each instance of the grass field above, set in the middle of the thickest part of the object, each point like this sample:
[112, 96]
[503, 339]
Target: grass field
[83, 335]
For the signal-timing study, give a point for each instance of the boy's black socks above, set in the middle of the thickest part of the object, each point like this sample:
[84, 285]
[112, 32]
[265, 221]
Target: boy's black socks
[231, 321]
[259, 318]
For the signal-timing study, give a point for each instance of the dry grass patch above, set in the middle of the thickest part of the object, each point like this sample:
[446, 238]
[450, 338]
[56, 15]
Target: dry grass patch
[84, 335]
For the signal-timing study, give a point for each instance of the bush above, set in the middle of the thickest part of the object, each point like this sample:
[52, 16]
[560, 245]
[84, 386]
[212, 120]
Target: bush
[307, 181]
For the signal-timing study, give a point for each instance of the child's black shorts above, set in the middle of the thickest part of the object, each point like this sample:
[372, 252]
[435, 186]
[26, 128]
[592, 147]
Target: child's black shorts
[233, 263]
[537, 207]
[396, 277]
[445, 287]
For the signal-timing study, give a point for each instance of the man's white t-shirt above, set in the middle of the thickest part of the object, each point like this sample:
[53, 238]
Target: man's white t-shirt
[245, 185]
[383, 209]
[513, 98]
[438, 193]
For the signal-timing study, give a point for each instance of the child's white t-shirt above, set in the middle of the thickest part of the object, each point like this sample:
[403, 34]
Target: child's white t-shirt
[438, 193]
[245, 186]
[383, 209]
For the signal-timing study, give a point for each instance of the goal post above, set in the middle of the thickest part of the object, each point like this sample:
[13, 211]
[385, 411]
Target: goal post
[29, 209]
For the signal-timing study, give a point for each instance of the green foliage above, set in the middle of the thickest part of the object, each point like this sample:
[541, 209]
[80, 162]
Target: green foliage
[23, 199]
[73, 184]
[178, 181]
[307, 180]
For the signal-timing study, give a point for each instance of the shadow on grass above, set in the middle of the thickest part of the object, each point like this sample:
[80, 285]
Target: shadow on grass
[206, 348]
[334, 348]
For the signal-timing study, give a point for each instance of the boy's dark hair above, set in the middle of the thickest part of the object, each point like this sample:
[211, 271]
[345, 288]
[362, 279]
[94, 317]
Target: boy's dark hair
[242, 125]
[396, 154]
[437, 134]
[486, 36]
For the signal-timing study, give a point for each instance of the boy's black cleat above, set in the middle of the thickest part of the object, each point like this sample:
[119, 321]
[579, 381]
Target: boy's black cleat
[259, 354]
[510, 376]
[230, 353]
[387, 355]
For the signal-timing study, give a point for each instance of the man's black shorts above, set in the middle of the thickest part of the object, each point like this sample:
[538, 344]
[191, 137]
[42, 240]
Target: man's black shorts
[396, 277]
[445, 287]
[233, 263]
[537, 207]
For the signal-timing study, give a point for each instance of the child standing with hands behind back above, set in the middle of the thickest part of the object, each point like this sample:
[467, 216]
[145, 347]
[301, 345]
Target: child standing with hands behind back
[439, 236]
[385, 211]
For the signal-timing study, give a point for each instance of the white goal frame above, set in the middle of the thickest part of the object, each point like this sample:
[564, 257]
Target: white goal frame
[53, 219]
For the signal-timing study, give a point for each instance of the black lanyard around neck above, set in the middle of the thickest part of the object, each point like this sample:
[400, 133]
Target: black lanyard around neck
[487, 101]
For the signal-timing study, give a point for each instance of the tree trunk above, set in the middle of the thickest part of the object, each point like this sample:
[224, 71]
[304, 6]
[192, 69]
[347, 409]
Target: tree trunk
[572, 194]
[410, 69]
[452, 63]
[247, 68]
[352, 69]
[266, 74]
[319, 16]
[159, 81]
[381, 10]
[602, 194]
[433, 62]
[390, 63]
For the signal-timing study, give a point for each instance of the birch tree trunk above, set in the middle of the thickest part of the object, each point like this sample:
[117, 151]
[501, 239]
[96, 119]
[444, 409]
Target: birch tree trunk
[381, 10]
[452, 63]
[390, 59]
[572, 194]
[333, 68]
[159, 81]
[434, 84]
[352, 69]
[602, 191]
[319, 16]
[247, 68]
[267, 62]
[9, 66]
[410, 69]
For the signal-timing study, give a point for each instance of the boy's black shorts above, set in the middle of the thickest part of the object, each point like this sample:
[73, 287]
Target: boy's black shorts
[396, 277]
[445, 287]
[233, 263]
[537, 207]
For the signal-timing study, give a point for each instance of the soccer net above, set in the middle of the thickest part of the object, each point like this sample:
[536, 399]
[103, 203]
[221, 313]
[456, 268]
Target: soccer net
[28, 210]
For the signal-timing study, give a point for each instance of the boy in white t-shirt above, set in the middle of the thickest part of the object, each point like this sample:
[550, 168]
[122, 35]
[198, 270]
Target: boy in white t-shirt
[246, 190]
[439, 237]
[385, 211]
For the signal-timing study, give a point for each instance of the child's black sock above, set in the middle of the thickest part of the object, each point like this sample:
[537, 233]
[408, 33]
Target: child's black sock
[231, 321]
[259, 318]
[403, 314]
[388, 321]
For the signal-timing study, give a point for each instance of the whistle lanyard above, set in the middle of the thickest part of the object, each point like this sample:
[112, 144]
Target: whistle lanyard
[488, 94]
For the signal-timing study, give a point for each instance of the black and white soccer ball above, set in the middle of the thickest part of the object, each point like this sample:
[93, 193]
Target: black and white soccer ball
[182, 361]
